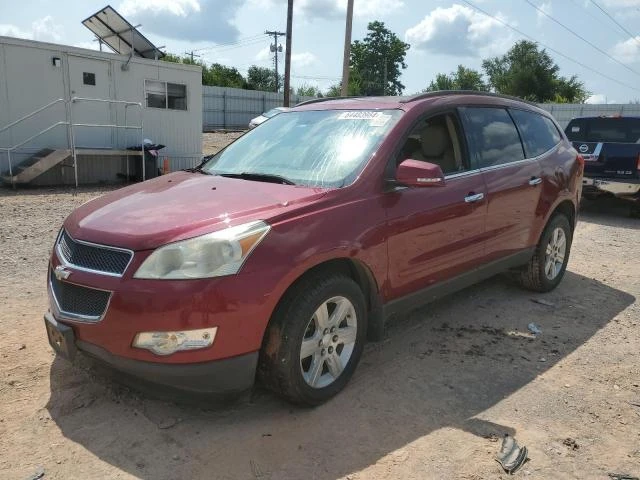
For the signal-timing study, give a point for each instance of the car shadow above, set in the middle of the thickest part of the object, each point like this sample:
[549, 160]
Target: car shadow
[439, 367]
[609, 211]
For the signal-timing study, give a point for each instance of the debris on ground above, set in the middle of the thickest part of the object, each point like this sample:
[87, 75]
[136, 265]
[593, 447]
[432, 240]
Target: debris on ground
[22, 347]
[535, 329]
[511, 456]
[39, 473]
[167, 423]
[571, 443]
[622, 476]
[543, 302]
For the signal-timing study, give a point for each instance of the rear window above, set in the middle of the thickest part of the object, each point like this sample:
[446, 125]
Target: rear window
[539, 134]
[604, 129]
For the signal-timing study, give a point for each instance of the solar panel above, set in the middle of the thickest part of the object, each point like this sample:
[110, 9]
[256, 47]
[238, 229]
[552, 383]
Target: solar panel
[113, 29]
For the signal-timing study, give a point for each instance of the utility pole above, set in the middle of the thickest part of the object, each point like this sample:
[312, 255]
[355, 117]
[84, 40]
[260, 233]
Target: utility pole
[275, 49]
[287, 56]
[384, 79]
[191, 54]
[347, 50]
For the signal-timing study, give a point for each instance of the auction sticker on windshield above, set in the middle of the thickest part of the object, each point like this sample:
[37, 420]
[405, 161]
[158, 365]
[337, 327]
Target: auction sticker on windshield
[376, 119]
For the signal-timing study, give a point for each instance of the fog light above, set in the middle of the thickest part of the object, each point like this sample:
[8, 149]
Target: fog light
[166, 343]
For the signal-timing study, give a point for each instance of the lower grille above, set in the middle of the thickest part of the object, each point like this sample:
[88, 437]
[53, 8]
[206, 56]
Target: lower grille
[77, 302]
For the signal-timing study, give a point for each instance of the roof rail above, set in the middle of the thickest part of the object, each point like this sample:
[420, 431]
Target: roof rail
[441, 93]
[326, 99]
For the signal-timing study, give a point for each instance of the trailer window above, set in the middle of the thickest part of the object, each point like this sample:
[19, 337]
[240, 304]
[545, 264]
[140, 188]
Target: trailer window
[171, 96]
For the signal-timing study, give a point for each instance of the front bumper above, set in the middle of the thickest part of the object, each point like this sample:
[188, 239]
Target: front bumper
[619, 188]
[219, 377]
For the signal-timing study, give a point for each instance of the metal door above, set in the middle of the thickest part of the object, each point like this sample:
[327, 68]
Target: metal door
[90, 78]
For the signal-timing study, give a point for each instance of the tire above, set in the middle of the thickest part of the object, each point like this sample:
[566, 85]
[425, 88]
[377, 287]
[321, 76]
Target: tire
[536, 275]
[297, 319]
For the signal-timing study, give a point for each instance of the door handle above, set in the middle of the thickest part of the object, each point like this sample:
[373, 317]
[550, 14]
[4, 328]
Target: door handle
[473, 197]
[535, 181]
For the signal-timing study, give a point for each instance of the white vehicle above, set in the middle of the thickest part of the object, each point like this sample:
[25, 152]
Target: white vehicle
[266, 116]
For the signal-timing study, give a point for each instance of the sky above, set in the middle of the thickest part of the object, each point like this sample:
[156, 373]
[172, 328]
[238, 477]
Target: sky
[442, 34]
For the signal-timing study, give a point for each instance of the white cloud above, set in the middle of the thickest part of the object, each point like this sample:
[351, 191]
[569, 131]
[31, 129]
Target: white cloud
[334, 9]
[627, 51]
[458, 31]
[179, 8]
[263, 54]
[90, 46]
[44, 29]
[190, 20]
[547, 8]
[598, 99]
[303, 59]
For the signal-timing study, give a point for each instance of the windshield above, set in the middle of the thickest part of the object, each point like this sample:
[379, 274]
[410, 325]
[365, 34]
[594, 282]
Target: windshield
[272, 113]
[326, 148]
[604, 129]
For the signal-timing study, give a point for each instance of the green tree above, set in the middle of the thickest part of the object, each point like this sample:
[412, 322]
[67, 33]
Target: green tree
[530, 73]
[306, 90]
[261, 78]
[223, 76]
[462, 79]
[378, 61]
[355, 86]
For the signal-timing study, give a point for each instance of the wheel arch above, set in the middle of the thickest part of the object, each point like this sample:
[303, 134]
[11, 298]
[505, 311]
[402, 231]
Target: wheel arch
[355, 269]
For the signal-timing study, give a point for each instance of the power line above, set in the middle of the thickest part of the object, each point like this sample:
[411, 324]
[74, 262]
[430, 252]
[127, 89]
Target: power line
[240, 41]
[566, 57]
[581, 37]
[581, 5]
[635, 37]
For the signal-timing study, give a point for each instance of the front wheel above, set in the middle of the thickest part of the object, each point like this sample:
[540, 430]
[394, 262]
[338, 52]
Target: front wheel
[314, 342]
[547, 267]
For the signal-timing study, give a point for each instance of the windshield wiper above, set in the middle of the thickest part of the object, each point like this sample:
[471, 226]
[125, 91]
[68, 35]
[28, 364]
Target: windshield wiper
[260, 177]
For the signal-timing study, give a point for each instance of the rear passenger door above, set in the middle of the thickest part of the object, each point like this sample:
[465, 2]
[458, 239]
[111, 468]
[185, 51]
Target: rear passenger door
[514, 182]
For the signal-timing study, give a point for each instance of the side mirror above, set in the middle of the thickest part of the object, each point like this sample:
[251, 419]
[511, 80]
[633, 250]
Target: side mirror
[414, 173]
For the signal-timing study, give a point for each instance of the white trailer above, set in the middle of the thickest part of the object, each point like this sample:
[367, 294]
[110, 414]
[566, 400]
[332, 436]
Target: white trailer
[68, 115]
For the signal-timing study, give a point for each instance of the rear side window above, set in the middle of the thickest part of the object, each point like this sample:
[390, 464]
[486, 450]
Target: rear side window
[539, 134]
[492, 135]
[604, 129]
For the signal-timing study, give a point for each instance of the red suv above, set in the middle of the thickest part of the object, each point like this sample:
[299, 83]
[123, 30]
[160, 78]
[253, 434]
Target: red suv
[279, 256]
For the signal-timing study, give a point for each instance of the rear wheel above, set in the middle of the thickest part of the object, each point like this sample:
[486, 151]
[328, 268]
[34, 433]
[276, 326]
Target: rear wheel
[548, 264]
[314, 342]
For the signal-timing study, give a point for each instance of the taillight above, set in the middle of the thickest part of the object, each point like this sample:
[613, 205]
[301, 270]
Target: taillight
[580, 160]
[638, 163]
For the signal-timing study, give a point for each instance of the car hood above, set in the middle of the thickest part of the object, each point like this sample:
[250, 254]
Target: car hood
[178, 206]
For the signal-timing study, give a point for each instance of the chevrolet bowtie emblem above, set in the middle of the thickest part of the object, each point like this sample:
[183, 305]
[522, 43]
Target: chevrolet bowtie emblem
[61, 273]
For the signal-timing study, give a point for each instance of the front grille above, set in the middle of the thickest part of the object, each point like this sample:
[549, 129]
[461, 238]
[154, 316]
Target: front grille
[75, 301]
[103, 259]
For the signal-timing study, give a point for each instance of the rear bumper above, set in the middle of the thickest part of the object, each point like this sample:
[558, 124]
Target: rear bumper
[617, 187]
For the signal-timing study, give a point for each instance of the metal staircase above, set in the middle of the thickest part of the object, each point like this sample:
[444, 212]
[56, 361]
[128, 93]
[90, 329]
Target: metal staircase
[48, 158]
[36, 165]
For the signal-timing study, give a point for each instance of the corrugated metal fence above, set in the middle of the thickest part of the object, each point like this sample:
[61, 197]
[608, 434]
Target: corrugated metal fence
[233, 108]
[564, 112]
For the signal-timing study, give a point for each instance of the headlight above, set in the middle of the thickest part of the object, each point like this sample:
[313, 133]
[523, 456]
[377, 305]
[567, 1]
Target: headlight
[212, 255]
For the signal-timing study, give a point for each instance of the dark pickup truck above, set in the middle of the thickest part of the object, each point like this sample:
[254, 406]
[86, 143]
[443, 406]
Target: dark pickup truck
[611, 150]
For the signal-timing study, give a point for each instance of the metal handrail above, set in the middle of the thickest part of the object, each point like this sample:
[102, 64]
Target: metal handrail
[71, 134]
[29, 115]
[18, 145]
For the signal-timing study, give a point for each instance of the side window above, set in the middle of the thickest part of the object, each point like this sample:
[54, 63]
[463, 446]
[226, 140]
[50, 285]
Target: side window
[436, 140]
[539, 134]
[576, 131]
[492, 135]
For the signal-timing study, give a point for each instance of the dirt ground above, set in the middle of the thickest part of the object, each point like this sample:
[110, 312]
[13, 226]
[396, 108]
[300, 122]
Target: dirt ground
[429, 402]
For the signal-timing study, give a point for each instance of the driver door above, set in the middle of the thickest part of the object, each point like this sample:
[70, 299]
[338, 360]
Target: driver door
[436, 232]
